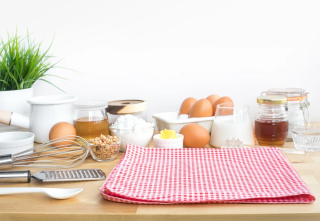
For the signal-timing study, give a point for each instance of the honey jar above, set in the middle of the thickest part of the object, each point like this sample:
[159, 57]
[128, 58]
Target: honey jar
[271, 122]
[90, 119]
[296, 106]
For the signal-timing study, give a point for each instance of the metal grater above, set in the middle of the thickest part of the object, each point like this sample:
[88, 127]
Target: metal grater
[69, 175]
[52, 175]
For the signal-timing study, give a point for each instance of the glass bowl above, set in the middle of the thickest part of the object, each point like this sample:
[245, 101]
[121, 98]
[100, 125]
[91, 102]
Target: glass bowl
[140, 137]
[105, 152]
[306, 136]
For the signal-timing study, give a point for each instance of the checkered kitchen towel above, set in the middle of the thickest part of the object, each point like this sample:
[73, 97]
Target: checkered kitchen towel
[205, 175]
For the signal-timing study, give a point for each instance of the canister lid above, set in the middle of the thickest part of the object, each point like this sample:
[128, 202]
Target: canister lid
[121, 107]
[272, 99]
[287, 92]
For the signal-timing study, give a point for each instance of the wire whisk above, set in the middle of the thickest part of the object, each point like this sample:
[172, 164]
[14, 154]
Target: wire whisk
[64, 152]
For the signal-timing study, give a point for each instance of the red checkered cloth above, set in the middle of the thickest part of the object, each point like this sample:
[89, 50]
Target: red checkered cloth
[205, 175]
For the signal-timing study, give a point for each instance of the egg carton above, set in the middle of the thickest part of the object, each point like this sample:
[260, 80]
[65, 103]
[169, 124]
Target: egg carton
[171, 121]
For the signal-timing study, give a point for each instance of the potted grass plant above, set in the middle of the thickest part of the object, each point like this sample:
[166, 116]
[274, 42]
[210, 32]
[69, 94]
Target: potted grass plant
[22, 63]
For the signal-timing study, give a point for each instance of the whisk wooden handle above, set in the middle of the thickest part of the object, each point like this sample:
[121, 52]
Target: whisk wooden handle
[5, 117]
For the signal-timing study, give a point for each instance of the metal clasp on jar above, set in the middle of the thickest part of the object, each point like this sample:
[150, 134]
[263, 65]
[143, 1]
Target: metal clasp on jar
[304, 105]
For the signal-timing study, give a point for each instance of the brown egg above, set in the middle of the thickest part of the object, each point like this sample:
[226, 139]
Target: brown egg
[213, 97]
[202, 108]
[60, 130]
[186, 105]
[220, 101]
[195, 136]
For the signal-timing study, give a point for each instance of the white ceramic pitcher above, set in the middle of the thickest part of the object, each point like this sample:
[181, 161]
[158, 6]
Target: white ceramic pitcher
[45, 111]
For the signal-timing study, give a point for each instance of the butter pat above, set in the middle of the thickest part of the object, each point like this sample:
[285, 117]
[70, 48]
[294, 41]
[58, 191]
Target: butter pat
[168, 134]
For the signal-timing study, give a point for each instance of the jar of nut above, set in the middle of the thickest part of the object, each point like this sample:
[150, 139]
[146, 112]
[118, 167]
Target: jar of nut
[104, 148]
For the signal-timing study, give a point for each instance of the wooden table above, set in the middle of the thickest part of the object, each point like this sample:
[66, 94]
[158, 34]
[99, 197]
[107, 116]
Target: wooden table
[89, 205]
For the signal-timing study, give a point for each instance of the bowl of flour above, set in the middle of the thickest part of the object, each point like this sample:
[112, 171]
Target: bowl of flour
[132, 130]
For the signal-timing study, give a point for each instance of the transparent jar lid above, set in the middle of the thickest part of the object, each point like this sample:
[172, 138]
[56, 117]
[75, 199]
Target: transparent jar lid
[292, 94]
[90, 104]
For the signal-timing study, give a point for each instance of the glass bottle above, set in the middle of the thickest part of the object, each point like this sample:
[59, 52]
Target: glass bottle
[90, 119]
[271, 122]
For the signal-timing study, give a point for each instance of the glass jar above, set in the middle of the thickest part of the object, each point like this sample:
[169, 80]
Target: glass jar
[296, 107]
[118, 108]
[271, 122]
[90, 119]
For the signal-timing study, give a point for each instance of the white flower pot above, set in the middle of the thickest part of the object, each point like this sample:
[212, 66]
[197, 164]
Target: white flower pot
[15, 101]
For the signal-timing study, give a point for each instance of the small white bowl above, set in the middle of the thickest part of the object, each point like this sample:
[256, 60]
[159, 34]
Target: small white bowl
[15, 142]
[168, 143]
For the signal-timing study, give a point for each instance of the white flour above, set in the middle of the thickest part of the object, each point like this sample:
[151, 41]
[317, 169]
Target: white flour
[132, 130]
[131, 122]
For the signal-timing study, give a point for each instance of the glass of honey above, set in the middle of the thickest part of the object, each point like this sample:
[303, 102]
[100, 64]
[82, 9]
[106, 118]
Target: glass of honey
[271, 122]
[90, 119]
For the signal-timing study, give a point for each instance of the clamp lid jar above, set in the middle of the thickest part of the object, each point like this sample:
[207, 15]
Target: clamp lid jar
[90, 119]
[297, 105]
[118, 108]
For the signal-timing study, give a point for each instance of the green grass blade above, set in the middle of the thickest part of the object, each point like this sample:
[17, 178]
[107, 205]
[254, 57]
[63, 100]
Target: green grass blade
[22, 62]
[52, 84]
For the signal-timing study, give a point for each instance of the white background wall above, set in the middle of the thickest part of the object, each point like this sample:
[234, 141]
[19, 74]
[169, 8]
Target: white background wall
[164, 51]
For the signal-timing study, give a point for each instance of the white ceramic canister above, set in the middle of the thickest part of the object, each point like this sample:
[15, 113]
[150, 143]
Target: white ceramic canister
[46, 111]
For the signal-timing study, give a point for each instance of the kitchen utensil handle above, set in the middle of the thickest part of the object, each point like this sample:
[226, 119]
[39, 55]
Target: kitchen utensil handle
[14, 119]
[289, 150]
[12, 190]
[5, 117]
[19, 120]
[15, 176]
[6, 161]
